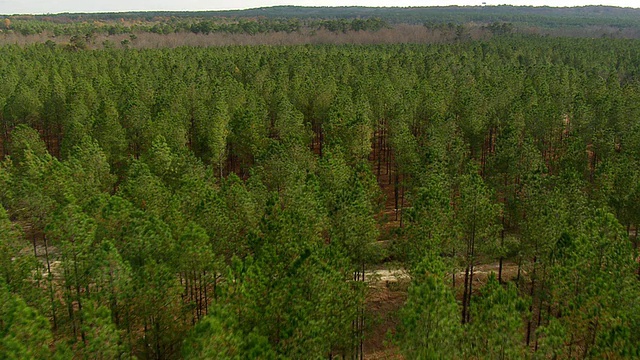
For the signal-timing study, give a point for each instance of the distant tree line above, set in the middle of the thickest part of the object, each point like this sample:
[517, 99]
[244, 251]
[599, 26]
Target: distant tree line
[32, 26]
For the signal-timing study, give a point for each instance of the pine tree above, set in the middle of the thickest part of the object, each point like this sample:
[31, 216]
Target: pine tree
[24, 333]
[430, 325]
[495, 329]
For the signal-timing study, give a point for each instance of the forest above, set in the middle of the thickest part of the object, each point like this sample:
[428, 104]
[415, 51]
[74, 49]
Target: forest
[244, 202]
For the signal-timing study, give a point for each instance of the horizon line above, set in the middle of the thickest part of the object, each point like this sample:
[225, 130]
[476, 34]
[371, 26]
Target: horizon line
[98, 12]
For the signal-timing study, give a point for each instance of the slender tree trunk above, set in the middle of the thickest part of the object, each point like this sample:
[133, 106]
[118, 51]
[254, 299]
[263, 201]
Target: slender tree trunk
[402, 203]
[5, 139]
[531, 293]
[362, 321]
[215, 286]
[570, 347]
[198, 294]
[379, 150]
[388, 158]
[70, 303]
[206, 298]
[114, 301]
[502, 231]
[464, 295]
[354, 338]
[396, 193]
[157, 338]
[192, 132]
[470, 293]
[51, 290]
[483, 156]
[145, 330]
[638, 247]
[79, 299]
[471, 259]
[540, 301]
[592, 341]
[501, 246]
[592, 169]
[321, 140]
[519, 271]
[192, 292]
[453, 272]
[35, 249]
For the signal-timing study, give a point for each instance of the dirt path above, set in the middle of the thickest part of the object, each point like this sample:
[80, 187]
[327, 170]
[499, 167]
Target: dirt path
[382, 277]
[378, 278]
[387, 294]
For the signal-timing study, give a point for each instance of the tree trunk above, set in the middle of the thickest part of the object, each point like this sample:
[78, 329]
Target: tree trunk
[114, 301]
[5, 140]
[503, 230]
[531, 292]
[51, 291]
[215, 284]
[75, 270]
[198, 294]
[471, 261]
[638, 247]
[453, 271]
[68, 298]
[395, 193]
[362, 322]
[157, 338]
[35, 249]
[501, 246]
[206, 298]
[540, 302]
[519, 271]
[321, 140]
[379, 150]
[470, 292]
[402, 202]
[464, 295]
[192, 292]
[593, 333]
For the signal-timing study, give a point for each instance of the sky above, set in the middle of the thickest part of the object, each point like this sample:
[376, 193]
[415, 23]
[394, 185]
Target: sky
[48, 6]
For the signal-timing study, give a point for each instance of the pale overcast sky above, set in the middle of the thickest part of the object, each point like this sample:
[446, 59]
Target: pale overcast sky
[48, 6]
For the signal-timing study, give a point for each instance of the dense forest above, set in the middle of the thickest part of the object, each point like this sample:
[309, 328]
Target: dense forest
[237, 202]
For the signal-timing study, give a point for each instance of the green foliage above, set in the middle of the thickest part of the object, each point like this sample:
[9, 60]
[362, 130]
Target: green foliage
[218, 336]
[15, 267]
[430, 218]
[24, 333]
[496, 320]
[103, 339]
[589, 274]
[24, 139]
[430, 327]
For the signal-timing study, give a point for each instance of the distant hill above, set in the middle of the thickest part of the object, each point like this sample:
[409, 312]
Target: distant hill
[295, 24]
[541, 16]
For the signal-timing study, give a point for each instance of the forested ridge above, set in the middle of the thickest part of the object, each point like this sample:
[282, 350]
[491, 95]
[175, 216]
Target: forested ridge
[293, 25]
[233, 202]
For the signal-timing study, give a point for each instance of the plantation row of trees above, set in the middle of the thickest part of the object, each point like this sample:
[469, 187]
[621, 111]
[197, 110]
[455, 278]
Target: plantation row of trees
[224, 202]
